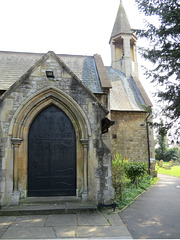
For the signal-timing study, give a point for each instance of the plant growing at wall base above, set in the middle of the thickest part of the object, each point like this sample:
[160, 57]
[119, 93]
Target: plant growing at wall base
[135, 170]
[118, 174]
[130, 193]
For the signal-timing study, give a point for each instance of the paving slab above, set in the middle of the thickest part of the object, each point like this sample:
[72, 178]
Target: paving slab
[61, 220]
[4, 227]
[6, 221]
[92, 219]
[29, 232]
[30, 221]
[102, 232]
[113, 219]
[99, 225]
[2, 231]
[65, 231]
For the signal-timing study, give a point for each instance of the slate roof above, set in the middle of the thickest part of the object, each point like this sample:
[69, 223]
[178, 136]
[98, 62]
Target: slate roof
[14, 64]
[124, 95]
[85, 69]
[104, 78]
[127, 94]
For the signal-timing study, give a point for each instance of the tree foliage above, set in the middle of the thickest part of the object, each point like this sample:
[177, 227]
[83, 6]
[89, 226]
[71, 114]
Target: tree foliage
[162, 152]
[164, 53]
[173, 154]
[168, 155]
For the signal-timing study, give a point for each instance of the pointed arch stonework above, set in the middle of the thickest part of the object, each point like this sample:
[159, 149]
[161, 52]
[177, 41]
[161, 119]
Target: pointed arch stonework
[19, 130]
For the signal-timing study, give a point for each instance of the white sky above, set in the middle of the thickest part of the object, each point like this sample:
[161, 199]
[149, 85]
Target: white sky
[81, 27]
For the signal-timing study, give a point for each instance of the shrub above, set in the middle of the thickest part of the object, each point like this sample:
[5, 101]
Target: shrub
[118, 174]
[135, 170]
[117, 171]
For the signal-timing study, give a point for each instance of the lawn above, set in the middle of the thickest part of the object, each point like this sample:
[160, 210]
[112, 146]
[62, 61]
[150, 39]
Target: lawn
[175, 171]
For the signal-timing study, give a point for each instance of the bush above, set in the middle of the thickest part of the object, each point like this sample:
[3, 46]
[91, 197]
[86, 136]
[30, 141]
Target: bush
[135, 170]
[118, 173]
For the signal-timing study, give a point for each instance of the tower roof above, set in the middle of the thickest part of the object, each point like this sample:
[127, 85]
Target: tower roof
[121, 25]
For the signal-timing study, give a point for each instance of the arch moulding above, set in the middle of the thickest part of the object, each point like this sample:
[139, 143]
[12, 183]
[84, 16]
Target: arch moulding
[19, 130]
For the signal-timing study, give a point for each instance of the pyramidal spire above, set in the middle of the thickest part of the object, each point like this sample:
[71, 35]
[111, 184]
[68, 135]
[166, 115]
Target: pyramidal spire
[121, 25]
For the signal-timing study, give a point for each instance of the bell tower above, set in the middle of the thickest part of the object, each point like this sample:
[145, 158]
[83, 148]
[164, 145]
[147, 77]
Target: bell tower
[123, 45]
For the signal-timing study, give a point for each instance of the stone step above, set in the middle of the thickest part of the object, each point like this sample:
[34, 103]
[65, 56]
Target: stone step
[50, 200]
[46, 206]
[46, 209]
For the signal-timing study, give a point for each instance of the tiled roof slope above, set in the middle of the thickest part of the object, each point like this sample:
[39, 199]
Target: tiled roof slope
[124, 95]
[142, 91]
[85, 69]
[13, 65]
[104, 78]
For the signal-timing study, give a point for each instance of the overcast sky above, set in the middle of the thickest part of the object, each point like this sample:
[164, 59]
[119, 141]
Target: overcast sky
[81, 27]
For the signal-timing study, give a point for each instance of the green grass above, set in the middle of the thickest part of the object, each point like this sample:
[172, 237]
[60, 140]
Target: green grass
[130, 193]
[175, 171]
[166, 163]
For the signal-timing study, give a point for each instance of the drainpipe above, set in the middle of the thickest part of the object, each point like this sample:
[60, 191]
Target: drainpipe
[147, 130]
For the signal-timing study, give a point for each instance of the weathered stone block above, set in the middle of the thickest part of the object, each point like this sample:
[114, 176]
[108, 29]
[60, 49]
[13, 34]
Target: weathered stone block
[2, 152]
[101, 171]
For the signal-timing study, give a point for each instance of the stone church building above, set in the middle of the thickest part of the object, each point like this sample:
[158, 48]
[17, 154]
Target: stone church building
[63, 117]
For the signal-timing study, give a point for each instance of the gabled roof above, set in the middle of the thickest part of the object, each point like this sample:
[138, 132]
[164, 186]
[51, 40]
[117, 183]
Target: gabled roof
[66, 68]
[142, 91]
[14, 64]
[86, 70]
[104, 78]
[125, 95]
[121, 25]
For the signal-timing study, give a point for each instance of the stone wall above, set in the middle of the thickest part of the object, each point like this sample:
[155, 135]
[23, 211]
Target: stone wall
[129, 135]
[35, 90]
[1, 158]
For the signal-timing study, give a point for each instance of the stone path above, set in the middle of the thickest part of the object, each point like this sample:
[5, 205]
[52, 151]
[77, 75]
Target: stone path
[80, 225]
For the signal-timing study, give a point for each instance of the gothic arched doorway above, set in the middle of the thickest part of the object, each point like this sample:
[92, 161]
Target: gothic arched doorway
[51, 154]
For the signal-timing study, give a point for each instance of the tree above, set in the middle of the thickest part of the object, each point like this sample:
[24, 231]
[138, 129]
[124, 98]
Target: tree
[173, 154]
[163, 52]
[161, 151]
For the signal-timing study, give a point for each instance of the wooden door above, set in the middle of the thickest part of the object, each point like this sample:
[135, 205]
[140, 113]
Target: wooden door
[51, 155]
